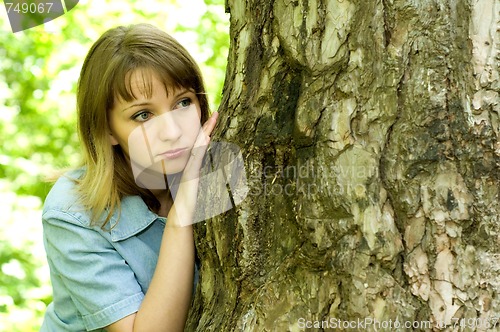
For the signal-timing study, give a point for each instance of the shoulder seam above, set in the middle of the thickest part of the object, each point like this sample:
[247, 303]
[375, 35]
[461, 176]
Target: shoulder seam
[68, 214]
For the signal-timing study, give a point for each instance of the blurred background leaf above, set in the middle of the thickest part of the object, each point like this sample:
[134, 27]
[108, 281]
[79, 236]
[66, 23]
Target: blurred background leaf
[39, 69]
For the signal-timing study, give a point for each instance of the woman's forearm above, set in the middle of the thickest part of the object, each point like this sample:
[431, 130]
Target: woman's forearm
[166, 304]
[167, 300]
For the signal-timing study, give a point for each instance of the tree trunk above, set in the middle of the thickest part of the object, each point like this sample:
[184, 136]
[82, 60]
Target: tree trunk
[370, 136]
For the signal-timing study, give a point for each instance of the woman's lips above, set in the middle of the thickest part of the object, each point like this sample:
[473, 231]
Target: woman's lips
[173, 154]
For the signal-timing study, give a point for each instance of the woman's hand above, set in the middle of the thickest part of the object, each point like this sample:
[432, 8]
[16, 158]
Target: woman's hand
[185, 198]
[192, 169]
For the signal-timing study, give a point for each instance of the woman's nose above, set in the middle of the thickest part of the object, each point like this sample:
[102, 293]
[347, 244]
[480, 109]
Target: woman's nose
[168, 126]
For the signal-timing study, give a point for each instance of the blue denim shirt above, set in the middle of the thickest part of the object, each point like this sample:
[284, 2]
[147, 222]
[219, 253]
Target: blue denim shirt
[98, 275]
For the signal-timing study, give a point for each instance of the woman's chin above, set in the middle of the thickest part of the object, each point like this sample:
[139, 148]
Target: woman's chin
[155, 176]
[171, 167]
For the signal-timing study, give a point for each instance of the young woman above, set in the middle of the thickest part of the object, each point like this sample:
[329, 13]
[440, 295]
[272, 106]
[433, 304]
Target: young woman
[118, 238]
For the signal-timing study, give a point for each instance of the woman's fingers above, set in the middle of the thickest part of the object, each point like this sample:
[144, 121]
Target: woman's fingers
[205, 131]
[209, 126]
[200, 146]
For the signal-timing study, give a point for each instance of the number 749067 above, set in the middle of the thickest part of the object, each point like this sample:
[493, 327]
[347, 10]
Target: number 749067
[32, 8]
[473, 323]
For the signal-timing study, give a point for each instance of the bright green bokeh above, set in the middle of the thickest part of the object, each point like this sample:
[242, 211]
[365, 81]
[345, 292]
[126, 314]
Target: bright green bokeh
[39, 68]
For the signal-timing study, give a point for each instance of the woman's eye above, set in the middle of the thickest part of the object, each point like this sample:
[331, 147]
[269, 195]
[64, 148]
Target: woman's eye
[142, 116]
[186, 102]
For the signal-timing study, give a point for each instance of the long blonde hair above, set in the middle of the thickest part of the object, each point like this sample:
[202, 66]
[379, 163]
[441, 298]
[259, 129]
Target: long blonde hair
[105, 76]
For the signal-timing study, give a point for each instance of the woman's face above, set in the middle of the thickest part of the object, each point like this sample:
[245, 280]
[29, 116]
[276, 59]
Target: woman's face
[157, 133]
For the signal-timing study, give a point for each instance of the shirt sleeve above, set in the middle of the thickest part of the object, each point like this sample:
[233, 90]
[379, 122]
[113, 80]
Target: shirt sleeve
[98, 280]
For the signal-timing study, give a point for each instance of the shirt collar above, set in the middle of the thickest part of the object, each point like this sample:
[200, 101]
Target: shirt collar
[132, 217]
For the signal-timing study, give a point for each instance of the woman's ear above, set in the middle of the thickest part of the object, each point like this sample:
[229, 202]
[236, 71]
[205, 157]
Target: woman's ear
[112, 139]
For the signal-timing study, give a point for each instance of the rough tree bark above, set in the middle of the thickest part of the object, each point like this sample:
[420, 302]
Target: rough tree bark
[370, 135]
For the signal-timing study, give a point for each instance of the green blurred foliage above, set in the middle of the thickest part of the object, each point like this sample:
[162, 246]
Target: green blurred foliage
[39, 69]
